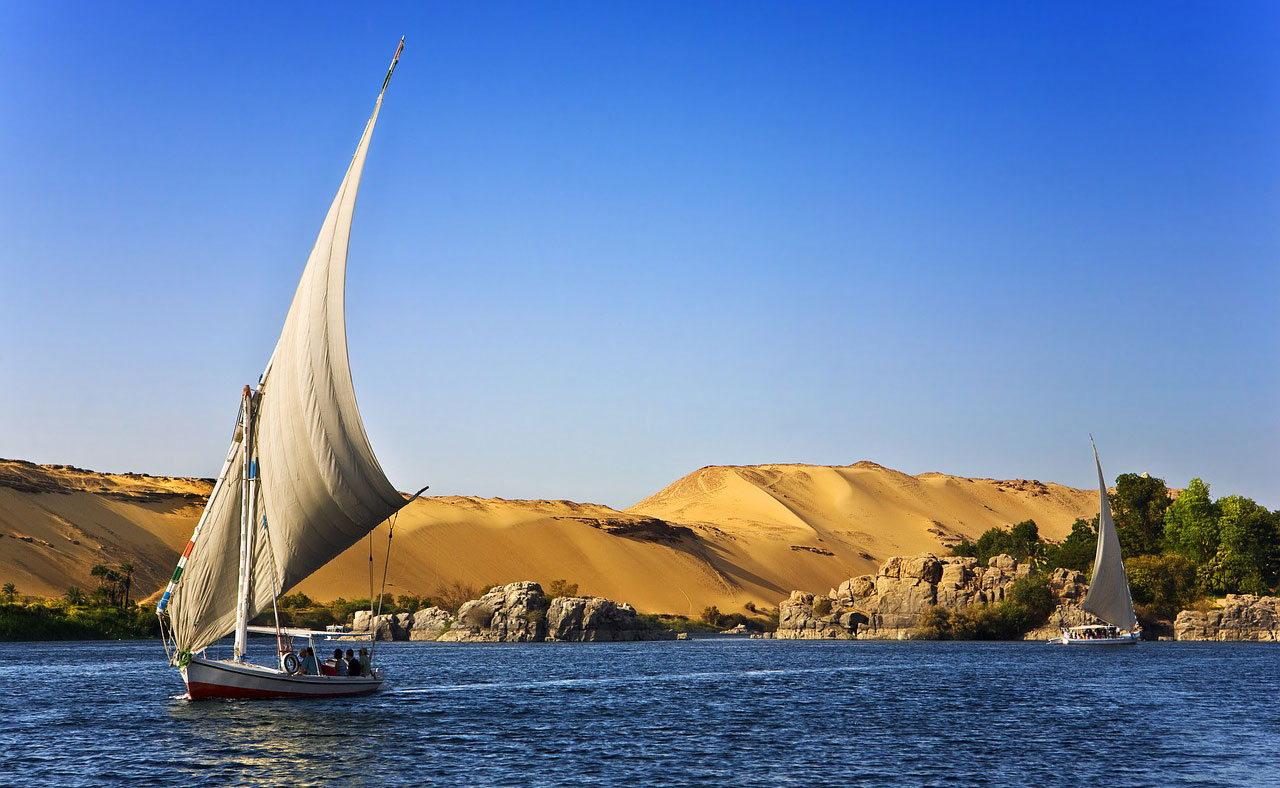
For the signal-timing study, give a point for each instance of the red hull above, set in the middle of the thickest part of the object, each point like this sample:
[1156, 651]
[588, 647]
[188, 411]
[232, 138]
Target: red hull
[199, 691]
[206, 679]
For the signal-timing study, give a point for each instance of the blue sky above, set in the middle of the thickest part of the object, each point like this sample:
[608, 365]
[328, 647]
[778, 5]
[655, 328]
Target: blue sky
[600, 245]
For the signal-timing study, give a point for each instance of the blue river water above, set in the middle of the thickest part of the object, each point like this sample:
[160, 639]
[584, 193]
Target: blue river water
[718, 711]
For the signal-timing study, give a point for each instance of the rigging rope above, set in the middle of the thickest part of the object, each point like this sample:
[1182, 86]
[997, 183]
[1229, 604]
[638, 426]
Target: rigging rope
[373, 623]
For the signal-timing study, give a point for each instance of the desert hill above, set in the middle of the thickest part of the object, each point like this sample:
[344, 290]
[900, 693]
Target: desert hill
[720, 536]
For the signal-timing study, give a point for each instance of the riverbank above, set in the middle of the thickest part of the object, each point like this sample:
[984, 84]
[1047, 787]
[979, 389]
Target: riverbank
[54, 621]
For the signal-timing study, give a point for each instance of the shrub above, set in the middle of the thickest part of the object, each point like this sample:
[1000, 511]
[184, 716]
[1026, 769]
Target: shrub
[451, 596]
[821, 606]
[561, 587]
[1027, 605]
[478, 616]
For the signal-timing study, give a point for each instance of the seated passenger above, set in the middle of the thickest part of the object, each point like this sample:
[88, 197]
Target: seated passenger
[339, 664]
[309, 665]
[365, 664]
[354, 666]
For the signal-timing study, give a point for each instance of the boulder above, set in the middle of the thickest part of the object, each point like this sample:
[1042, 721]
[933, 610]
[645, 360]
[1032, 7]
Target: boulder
[360, 622]
[430, 623]
[384, 627]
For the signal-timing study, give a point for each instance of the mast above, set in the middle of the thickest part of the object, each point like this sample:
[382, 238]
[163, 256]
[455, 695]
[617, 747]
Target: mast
[248, 515]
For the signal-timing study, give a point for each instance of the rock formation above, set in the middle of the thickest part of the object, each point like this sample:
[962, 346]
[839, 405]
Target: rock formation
[514, 613]
[593, 618]
[388, 626]
[1241, 617]
[517, 613]
[889, 604]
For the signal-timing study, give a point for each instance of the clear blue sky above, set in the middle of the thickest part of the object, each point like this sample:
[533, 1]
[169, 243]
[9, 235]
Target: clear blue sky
[600, 245]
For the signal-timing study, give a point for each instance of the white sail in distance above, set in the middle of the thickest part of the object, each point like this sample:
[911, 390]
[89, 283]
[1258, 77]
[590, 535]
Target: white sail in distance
[1108, 596]
[321, 488]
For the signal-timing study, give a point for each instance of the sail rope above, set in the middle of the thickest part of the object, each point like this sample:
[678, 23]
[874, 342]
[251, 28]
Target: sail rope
[373, 623]
[275, 587]
[391, 532]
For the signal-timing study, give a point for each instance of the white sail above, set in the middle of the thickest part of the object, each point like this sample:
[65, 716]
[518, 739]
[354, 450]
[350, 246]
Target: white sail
[1108, 596]
[321, 488]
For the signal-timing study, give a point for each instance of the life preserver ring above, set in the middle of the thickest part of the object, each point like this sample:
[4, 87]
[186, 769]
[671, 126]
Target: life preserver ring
[289, 662]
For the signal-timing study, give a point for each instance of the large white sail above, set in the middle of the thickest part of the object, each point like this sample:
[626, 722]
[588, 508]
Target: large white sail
[321, 488]
[1108, 596]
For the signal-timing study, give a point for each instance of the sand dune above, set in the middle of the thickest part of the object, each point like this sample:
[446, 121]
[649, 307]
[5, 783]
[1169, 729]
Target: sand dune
[57, 522]
[720, 536]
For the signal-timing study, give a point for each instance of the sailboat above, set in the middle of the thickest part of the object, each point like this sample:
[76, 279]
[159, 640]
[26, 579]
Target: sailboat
[1108, 598]
[300, 484]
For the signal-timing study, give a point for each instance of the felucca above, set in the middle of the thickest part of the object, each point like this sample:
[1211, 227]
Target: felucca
[300, 485]
[1108, 597]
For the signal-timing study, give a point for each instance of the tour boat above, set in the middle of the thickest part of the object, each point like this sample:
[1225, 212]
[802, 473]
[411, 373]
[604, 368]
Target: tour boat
[300, 484]
[1108, 598]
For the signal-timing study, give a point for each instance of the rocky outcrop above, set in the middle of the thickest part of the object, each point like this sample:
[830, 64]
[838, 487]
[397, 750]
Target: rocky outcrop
[595, 619]
[889, 604]
[514, 613]
[522, 613]
[1241, 617]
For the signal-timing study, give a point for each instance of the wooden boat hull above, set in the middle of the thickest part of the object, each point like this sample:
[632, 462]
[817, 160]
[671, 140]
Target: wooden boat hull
[209, 678]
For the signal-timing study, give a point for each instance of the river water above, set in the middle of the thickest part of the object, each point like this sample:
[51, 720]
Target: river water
[714, 712]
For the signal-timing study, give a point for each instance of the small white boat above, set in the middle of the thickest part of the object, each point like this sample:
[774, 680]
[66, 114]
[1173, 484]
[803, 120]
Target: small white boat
[300, 484]
[1108, 598]
[1097, 635]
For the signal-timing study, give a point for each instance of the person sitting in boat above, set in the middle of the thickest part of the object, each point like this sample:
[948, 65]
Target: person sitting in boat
[354, 666]
[364, 661]
[339, 664]
[309, 665]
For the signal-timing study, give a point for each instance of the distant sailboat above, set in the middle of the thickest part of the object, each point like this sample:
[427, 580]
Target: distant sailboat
[300, 485]
[1108, 597]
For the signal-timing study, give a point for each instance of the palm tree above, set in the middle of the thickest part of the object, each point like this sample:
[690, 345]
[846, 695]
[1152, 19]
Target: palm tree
[9, 592]
[74, 595]
[127, 570]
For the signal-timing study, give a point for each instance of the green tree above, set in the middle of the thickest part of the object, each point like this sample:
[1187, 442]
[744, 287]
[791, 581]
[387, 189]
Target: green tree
[9, 593]
[409, 603]
[295, 601]
[711, 615]
[74, 595]
[1022, 541]
[1139, 504]
[1246, 560]
[1162, 584]
[1077, 550]
[1191, 524]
